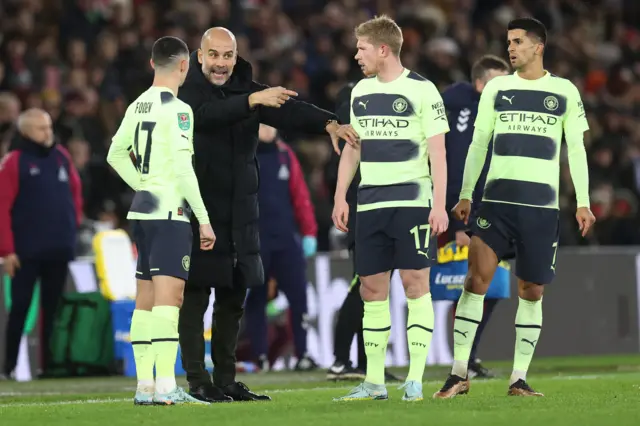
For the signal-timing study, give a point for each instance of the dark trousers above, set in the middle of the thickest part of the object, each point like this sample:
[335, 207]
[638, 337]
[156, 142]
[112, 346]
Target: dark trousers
[52, 275]
[288, 267]
[349, 323]
[228, 309]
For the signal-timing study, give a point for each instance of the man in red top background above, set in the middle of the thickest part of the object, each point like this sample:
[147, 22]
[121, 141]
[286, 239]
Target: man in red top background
[40, 210]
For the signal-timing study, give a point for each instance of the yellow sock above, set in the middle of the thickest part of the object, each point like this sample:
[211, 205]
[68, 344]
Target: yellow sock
[419, 333]
[528, 327]
[376, 328]
[140, 334]
[164, 341]
[468, 317]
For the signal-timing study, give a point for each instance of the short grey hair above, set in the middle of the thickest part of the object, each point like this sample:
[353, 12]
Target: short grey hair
[26, 118]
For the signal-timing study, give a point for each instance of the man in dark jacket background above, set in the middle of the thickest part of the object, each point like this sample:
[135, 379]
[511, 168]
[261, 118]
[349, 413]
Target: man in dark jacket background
[228, 107]
[461, 102]
[288, 231]
[40, 210]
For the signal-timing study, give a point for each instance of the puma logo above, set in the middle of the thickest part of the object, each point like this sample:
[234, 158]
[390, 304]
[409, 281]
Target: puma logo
[464, 333]
[423, 253]
[508, 99]
[363, 104]
[532, 343]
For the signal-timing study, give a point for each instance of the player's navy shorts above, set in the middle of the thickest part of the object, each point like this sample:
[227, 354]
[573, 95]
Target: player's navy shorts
[394, 238]
[532, 232]
[164, 248]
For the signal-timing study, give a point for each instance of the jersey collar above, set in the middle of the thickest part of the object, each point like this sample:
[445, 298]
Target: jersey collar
[162, 89]
[401, 76]
[546, 75]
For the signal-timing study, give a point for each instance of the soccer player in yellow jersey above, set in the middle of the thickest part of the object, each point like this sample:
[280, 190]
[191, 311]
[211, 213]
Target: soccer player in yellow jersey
[526, 113]
[400, 121]
[157, 132]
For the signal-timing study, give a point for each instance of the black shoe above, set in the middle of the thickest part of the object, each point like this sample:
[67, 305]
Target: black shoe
[240, 392]
[476, 370]
[342, 371]
[209, 393]
[306, 363]
[390, 377]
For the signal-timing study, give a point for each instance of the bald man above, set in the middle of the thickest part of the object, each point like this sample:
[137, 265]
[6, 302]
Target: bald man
[40, 210]
[228, 107]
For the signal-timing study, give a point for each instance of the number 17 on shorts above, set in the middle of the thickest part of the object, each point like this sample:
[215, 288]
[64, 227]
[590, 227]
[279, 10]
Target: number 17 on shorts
[415, 231]
[417, 248]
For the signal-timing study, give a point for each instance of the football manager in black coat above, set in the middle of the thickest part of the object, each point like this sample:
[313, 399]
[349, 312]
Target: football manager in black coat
[228, 107]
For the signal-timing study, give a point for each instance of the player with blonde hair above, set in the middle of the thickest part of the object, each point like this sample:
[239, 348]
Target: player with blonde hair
[399, 122]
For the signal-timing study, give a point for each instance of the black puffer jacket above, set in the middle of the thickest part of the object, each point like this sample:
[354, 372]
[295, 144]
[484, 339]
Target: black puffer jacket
[225, 142]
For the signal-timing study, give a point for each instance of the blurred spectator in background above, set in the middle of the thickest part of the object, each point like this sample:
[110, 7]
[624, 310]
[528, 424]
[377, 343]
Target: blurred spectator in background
[83, 60]
[9, 112]
[40, 209]
[279, 337]
[288, 231]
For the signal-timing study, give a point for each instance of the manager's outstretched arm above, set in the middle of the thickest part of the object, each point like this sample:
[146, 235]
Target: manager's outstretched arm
[296, 116]
[210, 113]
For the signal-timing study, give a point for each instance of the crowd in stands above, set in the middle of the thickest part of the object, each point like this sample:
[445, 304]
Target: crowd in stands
[84, 60]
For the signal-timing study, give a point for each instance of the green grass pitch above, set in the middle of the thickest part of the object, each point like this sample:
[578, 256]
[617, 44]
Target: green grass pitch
[579, 391]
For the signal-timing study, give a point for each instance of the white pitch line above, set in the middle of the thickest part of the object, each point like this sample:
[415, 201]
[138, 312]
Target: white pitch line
[75, 402]
[114, 400]
[5, 394]
[273, 391]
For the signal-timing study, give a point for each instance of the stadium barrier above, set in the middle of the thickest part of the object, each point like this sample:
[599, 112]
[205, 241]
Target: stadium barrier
[591, 308]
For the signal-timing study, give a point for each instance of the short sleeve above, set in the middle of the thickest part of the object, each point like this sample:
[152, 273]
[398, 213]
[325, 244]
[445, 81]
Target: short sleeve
[575, 119]
[434, 116]
[486, 118]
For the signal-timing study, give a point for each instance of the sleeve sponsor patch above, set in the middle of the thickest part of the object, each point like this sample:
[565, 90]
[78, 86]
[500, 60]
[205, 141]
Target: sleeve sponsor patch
[184, 121]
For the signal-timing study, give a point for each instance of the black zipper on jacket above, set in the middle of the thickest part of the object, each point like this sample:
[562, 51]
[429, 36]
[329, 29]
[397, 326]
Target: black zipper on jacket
[234, 251]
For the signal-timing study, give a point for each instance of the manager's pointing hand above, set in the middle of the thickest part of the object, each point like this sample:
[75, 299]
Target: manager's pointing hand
[272, 97]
